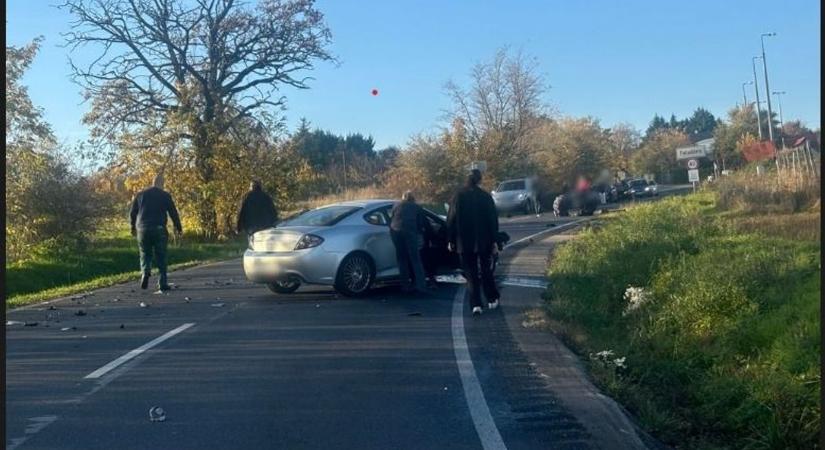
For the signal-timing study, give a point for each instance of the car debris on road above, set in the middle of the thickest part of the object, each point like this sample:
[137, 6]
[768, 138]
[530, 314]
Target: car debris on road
[157, 414]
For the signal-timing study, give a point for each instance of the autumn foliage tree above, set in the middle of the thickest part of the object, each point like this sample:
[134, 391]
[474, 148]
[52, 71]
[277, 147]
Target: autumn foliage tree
[174, 75]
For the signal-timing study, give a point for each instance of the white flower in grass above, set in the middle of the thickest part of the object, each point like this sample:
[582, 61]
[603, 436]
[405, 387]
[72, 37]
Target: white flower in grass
[619, 362]
[635, 298]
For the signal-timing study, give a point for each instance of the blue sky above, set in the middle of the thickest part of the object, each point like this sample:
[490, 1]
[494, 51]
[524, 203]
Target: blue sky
[614, 60]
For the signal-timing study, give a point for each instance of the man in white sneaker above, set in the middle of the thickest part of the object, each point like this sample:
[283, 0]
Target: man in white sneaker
[472, 225]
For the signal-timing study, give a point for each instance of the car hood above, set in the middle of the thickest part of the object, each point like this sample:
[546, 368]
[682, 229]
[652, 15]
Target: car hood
[281, 239]
[507, 195]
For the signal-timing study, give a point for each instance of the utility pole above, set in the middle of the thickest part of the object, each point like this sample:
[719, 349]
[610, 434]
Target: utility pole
[756, 88]
[781, 122]
[745, 96]
[767, 87]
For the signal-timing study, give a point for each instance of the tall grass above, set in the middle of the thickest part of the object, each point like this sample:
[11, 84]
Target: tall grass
[721, 340]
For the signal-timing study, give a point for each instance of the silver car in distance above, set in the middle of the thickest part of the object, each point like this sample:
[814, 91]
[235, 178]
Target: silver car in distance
[346, 245]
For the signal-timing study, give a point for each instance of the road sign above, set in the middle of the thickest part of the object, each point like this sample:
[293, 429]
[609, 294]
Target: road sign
[695, 151]
[693, 175]
[693, 164]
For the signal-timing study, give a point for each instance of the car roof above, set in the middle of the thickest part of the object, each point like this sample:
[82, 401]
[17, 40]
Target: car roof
[367, 203]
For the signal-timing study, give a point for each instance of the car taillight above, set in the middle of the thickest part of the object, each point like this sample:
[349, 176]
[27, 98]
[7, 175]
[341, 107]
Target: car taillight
[308, 241]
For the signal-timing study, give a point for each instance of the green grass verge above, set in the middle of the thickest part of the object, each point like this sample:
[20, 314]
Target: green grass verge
[109, 259]
[723, 350]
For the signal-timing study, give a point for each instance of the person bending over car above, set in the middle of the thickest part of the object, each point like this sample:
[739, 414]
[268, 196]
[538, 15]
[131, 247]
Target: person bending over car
[407, 229]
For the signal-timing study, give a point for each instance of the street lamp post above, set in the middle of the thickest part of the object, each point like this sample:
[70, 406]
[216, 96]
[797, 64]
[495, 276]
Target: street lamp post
[744, 95]
[756, 89]
[781, 122]
[767, 87]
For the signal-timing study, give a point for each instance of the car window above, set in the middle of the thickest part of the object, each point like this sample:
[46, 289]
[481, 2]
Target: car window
[322, 217]
[379, 216]
[517, 185]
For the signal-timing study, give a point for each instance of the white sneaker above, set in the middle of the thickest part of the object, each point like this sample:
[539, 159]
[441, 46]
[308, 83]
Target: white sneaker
[477, 310]
[493, 304]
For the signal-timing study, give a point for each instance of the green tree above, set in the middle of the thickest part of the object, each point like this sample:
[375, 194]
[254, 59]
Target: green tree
[700, 125]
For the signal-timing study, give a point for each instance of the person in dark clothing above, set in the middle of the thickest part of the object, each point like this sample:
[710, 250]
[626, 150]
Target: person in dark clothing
[473, 228]
[407, 229]
[257, 210]
[148, 219]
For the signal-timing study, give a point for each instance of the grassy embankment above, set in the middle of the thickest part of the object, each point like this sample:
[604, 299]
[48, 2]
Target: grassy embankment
[721, 343]
[110, 258]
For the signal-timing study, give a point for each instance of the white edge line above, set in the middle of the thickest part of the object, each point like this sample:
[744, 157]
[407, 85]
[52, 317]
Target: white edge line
[479, 411]
[556, 228]
[133, 353]
[510, 283]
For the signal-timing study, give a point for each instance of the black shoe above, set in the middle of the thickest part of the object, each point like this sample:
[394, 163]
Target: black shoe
[164, 288]
[144, 281]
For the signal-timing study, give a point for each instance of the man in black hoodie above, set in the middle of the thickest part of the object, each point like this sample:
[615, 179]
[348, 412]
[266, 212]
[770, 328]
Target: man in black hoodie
[472, 224]
[257, 210]
[148, 218]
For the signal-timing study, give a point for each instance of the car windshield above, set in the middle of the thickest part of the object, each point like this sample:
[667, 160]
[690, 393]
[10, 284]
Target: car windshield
[638, 183]
[321, 217]
[517, 185]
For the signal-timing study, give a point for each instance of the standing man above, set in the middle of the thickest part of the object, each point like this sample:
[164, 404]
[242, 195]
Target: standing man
[473, 226]
[148, 219]
[257, 210]
[406, 230]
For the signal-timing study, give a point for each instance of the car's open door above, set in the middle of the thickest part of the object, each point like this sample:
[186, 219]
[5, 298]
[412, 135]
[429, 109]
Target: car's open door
[436, 257]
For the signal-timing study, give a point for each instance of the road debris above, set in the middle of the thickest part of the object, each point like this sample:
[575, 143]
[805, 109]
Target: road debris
[187, 299]
[115, 299]
[218, 305]
[157, 414]
[317, 305]
[80, 312]
[414, 314]
[30, 324]
[52, 308]
[13, 322]
[143, 305]
[122, 326]
[68, 328]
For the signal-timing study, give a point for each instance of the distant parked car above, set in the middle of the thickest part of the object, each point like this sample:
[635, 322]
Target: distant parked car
[640, 187]
[521, 194]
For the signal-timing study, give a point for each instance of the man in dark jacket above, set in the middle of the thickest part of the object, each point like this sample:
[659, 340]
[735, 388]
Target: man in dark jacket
[257, 210]
[407, 229]
[148, 218]
[473, 227]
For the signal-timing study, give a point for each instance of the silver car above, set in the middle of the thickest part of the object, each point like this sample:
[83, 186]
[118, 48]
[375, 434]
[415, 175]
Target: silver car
[517, 195]
[346, 245]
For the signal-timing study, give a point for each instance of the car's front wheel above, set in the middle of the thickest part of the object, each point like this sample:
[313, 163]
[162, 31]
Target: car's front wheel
[355, 275]
[287, 286]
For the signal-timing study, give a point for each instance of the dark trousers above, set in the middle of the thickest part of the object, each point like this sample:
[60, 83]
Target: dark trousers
[478, 269]
[153, 242]
[408, 254]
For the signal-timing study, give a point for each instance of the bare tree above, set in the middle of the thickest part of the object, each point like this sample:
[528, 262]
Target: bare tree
[202, 69]
[505, 98]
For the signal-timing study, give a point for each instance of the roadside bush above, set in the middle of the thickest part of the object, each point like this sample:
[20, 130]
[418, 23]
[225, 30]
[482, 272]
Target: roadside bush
[49, 207]
[747, 191]
[720, 330]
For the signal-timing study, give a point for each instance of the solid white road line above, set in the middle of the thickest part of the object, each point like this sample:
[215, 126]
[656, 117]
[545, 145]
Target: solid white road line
[547, 230]
[479, 411]
[133, 353]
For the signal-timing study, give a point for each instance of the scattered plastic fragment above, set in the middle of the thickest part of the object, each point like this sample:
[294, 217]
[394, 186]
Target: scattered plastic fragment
[13, 322]
[414, 314]
[122, 326]
[115, 299]
[143, 304]
[68, 328]
[52, 308]
[157, 414]
[317, 305]
[30, 324]
[187, 299]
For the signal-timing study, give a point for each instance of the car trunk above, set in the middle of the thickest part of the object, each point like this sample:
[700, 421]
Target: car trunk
[279, 239]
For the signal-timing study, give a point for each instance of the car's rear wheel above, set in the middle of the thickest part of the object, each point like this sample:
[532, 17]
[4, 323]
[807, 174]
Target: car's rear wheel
[287, 286]
[355, 275]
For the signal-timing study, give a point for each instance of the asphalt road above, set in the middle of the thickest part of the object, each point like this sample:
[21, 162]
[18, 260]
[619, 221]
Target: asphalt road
[239, 367]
